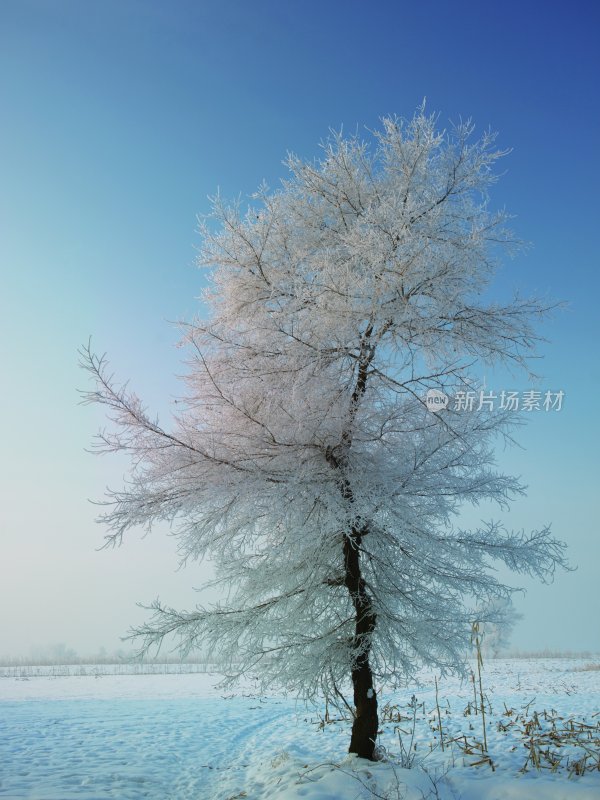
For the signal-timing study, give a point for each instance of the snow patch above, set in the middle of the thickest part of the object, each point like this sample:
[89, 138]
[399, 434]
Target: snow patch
[124, 736]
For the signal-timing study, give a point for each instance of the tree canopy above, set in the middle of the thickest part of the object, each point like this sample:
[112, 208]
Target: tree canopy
[302, 458]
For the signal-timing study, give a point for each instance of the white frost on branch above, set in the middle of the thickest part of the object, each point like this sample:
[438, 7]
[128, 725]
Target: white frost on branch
[337, 301]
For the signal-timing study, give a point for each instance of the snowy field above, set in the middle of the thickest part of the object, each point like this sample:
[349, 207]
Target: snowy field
[177, 736]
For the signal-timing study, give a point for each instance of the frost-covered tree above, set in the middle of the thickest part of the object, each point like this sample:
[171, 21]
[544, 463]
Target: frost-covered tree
[302, 459]
[501, 617]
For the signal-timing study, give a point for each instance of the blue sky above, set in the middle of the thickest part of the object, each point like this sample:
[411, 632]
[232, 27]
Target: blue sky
[117, 119]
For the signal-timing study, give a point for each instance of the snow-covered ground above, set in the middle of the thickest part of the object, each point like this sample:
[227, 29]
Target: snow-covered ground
[177, 736]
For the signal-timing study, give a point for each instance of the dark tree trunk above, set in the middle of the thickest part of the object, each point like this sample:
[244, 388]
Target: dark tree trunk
[366, 721]
[364, 727]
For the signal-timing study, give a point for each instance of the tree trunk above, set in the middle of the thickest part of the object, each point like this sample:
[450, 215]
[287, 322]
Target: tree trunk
[366, 721]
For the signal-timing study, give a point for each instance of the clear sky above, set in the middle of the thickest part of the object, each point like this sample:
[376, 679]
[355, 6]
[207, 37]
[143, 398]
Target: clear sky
[119, 117]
